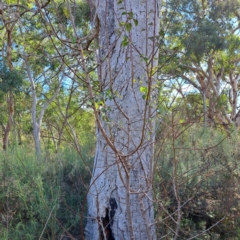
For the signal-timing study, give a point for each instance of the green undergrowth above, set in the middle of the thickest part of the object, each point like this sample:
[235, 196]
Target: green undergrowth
[43, 198]
[200, 170]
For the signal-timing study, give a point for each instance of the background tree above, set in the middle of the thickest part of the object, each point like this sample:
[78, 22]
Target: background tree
[8, 24]
[198, 40]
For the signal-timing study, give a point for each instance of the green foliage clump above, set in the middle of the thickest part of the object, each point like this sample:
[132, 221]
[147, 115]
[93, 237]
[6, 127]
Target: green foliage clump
[206, 39]
[43, 198]
[10, 80]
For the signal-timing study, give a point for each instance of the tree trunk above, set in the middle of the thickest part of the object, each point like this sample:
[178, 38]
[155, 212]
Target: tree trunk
[37, 120]
[10, 105]
[35, 123]
[36, 136]
[10, 97]
[120, 201]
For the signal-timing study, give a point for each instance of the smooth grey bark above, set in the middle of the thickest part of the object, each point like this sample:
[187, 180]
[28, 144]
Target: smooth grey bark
[120, 201]
[37, 118]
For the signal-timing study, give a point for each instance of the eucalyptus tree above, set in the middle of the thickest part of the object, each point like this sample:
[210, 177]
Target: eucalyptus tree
[56, 55]
[199, 38]
[120, 200]
[32, 41]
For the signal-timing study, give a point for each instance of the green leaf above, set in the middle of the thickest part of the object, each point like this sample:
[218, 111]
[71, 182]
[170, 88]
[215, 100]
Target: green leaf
[125, 41]
[66, 12]
[96, 106]
[135, 22]
[143, 89]
[145, 59]
[128, 27]
[130, 15]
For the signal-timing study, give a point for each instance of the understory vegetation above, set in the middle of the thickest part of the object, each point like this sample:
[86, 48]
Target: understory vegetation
[197, 181]
[197, 176]
[43, 199]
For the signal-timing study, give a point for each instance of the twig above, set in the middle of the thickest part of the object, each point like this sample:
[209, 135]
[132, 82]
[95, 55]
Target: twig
[46, 223]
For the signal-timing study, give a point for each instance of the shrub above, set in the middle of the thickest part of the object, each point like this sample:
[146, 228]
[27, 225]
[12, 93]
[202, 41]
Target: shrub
[197, 171]
[43, 198]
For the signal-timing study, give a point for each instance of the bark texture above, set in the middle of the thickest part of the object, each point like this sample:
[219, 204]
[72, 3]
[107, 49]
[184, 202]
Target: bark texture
[120, 204]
